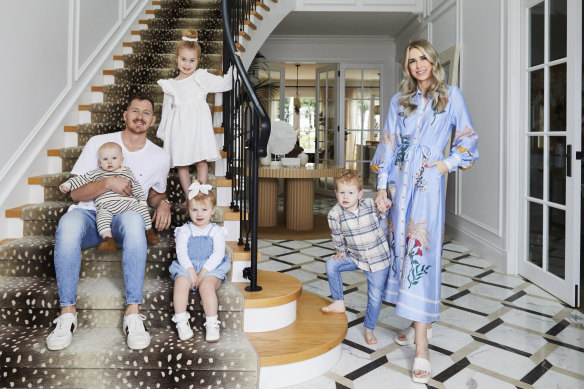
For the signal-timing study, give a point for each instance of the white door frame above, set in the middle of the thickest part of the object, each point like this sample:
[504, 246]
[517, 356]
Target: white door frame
[566, 289]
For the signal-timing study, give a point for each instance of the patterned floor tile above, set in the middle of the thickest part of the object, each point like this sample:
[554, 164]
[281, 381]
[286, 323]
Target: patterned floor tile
[568, 359]
[490, 353]
[472, 379]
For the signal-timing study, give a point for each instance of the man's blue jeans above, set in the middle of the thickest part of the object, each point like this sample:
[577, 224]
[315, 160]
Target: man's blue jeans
[375, 284]
[77, 230]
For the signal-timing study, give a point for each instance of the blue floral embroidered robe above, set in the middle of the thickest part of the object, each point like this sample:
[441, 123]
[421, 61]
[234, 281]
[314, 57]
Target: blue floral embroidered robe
[415, 223]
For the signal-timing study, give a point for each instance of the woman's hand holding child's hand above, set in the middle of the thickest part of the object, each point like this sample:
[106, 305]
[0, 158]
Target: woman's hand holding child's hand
[381, 201]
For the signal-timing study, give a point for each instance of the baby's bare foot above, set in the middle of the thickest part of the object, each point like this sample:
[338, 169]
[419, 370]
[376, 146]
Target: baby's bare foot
[337, 306]
[369, 337]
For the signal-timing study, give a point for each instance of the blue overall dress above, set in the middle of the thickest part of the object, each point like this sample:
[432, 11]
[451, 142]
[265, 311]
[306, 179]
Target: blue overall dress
[200, 249]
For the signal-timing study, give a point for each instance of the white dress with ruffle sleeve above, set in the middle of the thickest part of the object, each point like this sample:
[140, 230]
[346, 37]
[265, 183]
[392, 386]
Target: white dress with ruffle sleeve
[186, 125]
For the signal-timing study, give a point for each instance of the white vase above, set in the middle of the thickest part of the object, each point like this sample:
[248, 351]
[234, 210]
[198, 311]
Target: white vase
[265, 161]
[303, 158]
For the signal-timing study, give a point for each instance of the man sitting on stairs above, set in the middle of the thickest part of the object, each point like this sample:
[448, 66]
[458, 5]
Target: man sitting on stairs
[77, 229]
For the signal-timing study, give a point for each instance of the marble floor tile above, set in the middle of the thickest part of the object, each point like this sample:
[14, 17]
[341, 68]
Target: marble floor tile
[322, 382]
[454, 279]
[576, 318]
[504, 279]
[448, 338]
[318, 252]
[553, 379]
[528, 320]
[536, 290]
[357, 334]
[316, 266]
[302, 275]
[568, 359]
[454, 246]
[475, 261]
[356, 301]
[319, 287]
[446, 291]
[272, 266]
[539, 305]
[573, 335]
[491, 291]
[274, 250]
[328, 245]
[404, 357]
[296, 244]
[386, 378]
[472, 379]
[465, 270]
[296, 258]
[501, 361]
[463, 319]
[477, 303]
[450, 254]
[515, 338]
[388, 317]
[351, 360]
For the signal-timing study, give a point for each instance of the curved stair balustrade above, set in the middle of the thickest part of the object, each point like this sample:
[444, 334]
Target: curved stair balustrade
[247, 130]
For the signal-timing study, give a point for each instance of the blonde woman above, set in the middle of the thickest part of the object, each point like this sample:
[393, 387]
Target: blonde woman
[411, 168]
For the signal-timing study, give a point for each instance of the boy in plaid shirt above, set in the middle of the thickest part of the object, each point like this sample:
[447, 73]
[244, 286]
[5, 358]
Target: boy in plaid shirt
[359, 244]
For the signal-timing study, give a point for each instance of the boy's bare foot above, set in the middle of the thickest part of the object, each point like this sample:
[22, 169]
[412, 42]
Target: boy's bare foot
[369, 337]
[337, 306]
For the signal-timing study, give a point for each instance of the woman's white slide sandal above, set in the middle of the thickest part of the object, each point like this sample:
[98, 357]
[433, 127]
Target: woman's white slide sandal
[410, 336]
[421, 364]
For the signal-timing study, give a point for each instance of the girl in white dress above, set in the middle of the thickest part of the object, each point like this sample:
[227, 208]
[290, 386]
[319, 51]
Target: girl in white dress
[186, 125]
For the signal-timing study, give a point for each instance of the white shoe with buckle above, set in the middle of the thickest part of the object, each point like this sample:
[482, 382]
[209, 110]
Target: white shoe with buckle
[138, 337]
[183, 327]
[213, 333]
[61, 336]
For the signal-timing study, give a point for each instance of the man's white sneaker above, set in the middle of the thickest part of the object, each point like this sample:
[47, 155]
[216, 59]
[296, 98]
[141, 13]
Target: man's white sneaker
[138, 337]
[63, 333]
[183, 327]
[212, 334]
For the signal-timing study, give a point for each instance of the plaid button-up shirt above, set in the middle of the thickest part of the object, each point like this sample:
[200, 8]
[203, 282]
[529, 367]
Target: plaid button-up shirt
[360, 237]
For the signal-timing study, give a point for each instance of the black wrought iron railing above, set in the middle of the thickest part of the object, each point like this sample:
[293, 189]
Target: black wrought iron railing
[247, 130]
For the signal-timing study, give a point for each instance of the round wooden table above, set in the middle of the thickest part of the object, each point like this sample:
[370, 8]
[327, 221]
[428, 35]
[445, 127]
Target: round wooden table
[299, 194]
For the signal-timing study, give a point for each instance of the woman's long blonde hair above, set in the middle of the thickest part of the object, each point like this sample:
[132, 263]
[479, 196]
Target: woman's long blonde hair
[409, 86]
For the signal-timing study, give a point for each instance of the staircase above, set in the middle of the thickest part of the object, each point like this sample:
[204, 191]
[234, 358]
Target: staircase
[98, 355]
[269, 339]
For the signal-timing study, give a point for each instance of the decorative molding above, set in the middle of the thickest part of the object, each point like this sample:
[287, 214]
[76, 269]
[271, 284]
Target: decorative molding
[80, 69]
[128, 8]
[34, 137]
[23, 158]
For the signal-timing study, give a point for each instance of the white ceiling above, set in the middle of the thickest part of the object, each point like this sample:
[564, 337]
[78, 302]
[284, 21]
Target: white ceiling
[344, 23]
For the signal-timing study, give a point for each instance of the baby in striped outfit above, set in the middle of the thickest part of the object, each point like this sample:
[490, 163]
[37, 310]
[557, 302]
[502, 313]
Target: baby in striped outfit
[110, 204]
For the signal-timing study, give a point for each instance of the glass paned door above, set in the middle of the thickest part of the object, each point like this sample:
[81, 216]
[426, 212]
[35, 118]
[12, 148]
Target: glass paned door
[551, 201]
[270, 90]
[326, 122]
[361, 119]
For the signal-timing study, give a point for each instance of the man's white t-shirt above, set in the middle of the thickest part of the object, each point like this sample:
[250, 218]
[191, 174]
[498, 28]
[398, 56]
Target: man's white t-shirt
[150, 164]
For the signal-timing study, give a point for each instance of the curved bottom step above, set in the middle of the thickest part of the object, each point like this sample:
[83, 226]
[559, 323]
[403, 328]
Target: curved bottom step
[304, 350]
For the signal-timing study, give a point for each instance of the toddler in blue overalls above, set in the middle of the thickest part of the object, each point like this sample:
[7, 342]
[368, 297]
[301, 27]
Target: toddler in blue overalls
[201, 263]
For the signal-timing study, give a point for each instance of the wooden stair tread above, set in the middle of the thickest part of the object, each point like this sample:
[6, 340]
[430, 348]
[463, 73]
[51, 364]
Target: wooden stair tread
[16, 212]
[277, 289]
[36, 180]
[70, 128]
[222, 182]
[228, 213]
[239, 254]
[7, 240]
[312, 334]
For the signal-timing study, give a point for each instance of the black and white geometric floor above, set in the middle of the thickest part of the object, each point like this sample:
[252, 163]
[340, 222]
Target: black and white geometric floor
[496, 330]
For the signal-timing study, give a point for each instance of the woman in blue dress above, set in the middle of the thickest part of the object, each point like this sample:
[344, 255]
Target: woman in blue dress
[411, 167]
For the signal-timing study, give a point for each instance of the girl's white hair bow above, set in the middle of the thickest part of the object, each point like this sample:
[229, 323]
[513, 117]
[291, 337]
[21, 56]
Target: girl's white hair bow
[197, 187]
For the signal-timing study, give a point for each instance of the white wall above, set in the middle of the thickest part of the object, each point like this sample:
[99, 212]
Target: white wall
[52, 50]
[475, 202]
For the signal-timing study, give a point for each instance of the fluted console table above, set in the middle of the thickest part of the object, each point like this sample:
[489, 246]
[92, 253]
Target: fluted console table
[299, 194]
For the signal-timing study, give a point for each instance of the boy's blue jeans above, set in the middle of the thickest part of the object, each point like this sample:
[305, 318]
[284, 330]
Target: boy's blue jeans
[77, 230]
[375, 284]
